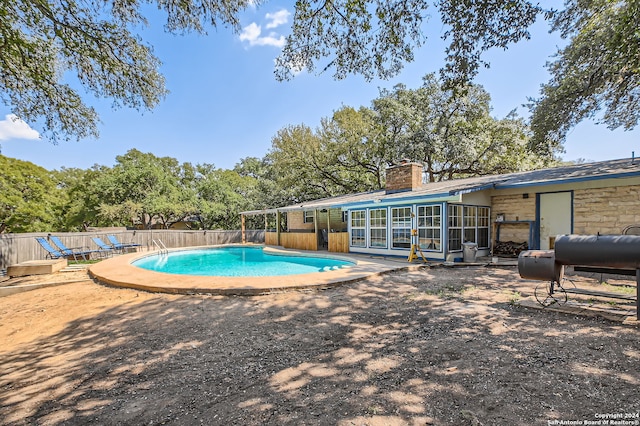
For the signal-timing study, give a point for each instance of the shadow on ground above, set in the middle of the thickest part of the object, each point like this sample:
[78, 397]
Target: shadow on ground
[421, 347]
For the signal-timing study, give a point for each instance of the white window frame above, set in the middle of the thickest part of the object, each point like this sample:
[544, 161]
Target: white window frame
[484, 214]
[470, 224]
[401, 225]
[473, 219]
[454, 223]
[378, 222]
[358, 224]
[429, 226]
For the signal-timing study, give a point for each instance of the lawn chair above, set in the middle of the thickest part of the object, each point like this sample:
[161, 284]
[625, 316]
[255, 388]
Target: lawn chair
[74, 252]
[122, 246]
[106, 248]
[52, 252]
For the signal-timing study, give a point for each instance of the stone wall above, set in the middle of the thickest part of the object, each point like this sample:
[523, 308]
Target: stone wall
[605, 210]
[514, 207]
[595, 210]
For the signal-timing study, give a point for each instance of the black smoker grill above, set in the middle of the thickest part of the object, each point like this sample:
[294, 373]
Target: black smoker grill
[612, 254]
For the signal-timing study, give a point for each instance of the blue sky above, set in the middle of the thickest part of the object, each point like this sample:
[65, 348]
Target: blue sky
[225, 103]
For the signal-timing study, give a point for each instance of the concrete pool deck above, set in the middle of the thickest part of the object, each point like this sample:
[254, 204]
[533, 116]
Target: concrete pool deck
[118, 271]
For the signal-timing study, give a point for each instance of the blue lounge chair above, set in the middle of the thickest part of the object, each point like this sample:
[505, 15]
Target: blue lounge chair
[122, 246]
[74, 252]
[52, 252]
[106, 248]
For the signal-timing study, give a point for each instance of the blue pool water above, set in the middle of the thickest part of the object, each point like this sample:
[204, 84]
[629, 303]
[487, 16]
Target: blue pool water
[236, 262]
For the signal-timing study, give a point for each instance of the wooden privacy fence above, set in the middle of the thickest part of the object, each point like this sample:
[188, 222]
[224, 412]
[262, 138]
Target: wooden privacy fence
[299, 240]
[338, 241]
[16, 248]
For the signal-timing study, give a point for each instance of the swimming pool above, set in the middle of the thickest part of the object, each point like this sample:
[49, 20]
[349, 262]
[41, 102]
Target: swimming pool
[236, 262]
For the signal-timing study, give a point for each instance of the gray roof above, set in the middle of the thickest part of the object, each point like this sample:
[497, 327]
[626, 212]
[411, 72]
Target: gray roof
[440, 191]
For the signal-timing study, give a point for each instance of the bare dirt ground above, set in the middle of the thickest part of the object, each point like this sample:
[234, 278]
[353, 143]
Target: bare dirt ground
[433, 346]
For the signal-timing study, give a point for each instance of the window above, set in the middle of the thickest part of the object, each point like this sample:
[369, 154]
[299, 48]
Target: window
[358, 228]
[483, 227]
[455, 227]
[378, 228]
[308, 216]
[401, 227]
[470, 224]
[429, 228]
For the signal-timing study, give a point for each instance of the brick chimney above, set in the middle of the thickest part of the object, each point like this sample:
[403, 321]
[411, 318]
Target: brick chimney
[405, 176]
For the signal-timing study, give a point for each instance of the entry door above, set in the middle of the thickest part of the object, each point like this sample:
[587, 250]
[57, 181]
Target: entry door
[555, 217]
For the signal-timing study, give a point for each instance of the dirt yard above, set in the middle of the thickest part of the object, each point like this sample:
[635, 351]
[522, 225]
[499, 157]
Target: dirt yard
[437, 346]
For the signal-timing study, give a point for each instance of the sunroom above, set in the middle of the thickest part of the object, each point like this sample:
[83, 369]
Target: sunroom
[438, 228]
[438, 217]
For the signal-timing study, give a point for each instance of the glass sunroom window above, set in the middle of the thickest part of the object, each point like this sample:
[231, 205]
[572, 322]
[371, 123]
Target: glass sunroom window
[378, 228]
[358, 228]
[401, 227]
[455, 227]
[470, 223]
[429, 227]
[483, 227]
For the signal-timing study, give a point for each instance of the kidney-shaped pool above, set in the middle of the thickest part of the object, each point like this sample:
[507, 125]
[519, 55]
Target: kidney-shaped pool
[237, 262]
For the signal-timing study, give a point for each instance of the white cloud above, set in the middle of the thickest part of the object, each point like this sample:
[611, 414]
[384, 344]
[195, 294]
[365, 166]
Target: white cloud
[281, 17]
[14, 128]
[272, 39]
[251, 33]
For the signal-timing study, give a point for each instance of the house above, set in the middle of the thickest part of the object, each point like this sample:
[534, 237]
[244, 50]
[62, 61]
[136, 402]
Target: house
[530, 207]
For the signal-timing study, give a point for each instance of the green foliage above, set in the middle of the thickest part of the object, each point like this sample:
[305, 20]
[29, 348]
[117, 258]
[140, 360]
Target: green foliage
[266, 192]
[222, 194]
[372, 38]
[144, 188]
[452, 132]
[140, 190]
[81, 204]
[375, 38]
[597, 75]
[296, 154]
[29, 198]
[45, 42]
[356, 155]
[474, 27]
[343, 156]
